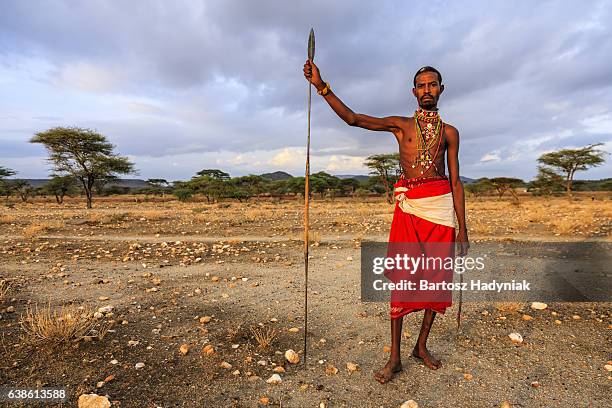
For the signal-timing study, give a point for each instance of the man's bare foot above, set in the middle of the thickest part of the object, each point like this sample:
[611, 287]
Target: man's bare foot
[424, 355]
[388, 371]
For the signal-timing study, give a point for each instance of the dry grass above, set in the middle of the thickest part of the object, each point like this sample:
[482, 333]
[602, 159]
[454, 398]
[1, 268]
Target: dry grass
[64, 325]
[39, 228]
[4, 288]
[7, 219]
[509, 307]
[152, 215]
[264, 337]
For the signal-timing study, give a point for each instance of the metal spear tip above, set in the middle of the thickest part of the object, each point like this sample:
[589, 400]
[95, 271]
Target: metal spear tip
[311, 45]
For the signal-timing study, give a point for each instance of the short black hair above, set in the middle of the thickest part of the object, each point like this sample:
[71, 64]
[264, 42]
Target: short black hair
[427, 68]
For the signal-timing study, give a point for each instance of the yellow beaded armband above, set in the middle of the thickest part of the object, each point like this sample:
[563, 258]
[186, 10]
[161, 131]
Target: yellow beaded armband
[325, 90]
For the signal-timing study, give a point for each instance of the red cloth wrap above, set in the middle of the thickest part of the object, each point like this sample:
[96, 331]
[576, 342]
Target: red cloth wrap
[439, 242]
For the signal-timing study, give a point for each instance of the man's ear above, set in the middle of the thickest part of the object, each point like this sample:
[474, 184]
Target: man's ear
[441, 88]
[414, 92]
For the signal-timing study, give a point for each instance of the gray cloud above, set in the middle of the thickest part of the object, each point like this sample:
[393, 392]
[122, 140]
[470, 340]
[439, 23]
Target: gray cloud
[182, 78]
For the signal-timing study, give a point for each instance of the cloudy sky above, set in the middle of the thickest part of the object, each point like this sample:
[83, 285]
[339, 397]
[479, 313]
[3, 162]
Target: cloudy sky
[179, 86]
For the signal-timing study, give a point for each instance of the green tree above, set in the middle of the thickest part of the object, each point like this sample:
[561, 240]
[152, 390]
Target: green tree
[245, 187]
[506, 184]
[182, 190]
[566, 162]
[479, 187]
[214, 173]
[386, 167]
[546, 182]
[5, 185]
[22, 188]
[84, 154]
[158, 186]
[212, 188]
[60, 186]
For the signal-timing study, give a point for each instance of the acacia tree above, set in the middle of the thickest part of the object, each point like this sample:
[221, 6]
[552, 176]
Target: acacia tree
[5, 186]
[383, 166]
[503, 184]
[546, 182]
[59, 186]
[567, 162]
[83, 153]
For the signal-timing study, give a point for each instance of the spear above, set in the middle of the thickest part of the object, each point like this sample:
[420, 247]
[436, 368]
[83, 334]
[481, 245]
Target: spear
[311, 53]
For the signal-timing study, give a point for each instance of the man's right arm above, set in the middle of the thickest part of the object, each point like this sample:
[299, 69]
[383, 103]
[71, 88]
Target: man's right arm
[389, 123]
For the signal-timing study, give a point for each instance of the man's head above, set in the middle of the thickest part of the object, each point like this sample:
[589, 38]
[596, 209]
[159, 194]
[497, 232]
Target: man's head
[428, 87]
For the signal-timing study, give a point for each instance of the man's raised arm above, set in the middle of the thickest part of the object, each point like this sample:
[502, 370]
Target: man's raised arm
[389, 123]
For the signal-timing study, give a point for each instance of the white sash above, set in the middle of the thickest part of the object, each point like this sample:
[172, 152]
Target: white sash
[437, 209]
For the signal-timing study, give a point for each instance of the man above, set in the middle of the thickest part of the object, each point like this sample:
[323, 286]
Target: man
[429, 204]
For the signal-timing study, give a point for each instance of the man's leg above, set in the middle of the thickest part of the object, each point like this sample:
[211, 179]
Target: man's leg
[394, 365]
[420, 350]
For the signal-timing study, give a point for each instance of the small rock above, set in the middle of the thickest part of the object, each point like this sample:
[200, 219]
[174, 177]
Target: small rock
[576, 317]
[538, 306]
[349, 258]
[139, 365]
[608, 367]
[103, 298]
[279, 369]
[292, 356]
[205, 319]
[516, 338]
[208, 350]
[468, 376]
[93, 401]
[133, 343]
[114, 362]
[331, 370]
[294, 330]
[274, 379]
[386, 349]
[106, 309]
[184, 349]
[527, 318]
[410, 404]
[264, 400]
[237, 372]
[505, 404]
[352, 367]
[226, 365]
[98, 315]
[535, 384]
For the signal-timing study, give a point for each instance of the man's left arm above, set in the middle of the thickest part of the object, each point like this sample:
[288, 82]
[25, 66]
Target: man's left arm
[452, 158]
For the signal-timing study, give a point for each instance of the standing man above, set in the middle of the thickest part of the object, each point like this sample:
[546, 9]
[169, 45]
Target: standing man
[430, 207]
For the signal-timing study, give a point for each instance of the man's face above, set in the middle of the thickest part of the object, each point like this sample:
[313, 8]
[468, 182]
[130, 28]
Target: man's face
[428, 90]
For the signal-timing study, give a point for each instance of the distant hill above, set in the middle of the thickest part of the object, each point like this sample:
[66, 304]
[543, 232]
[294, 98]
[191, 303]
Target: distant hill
[353, 176]
[277, 175]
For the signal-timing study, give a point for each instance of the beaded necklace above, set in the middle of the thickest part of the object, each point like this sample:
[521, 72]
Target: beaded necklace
[426, 138]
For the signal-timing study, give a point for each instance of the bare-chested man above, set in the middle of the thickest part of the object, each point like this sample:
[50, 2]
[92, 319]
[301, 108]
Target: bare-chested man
[423, 141]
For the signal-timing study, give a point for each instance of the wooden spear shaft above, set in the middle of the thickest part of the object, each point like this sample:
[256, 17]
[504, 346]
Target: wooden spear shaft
[311, 50]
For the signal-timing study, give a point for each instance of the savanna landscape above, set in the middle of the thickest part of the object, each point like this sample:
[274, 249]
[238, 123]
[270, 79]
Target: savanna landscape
[146, 301]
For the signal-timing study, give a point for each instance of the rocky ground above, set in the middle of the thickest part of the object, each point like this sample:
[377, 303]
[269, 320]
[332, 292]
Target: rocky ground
[180, 291]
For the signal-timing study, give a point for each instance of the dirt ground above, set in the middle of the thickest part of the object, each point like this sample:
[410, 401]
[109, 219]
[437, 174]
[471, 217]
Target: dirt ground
[164, 265]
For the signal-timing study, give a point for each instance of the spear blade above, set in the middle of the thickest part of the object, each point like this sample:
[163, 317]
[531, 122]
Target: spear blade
[311, 45]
